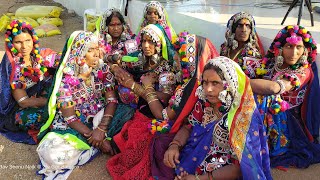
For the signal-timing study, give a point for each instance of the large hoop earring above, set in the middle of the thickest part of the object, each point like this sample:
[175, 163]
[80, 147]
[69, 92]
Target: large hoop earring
[158, 50]
[231, 41]
[108, 38]
[235, 44]
[200, 93]
[304, 58]
[123, 34]
[279, 59]
[252, 39]
[225, 98]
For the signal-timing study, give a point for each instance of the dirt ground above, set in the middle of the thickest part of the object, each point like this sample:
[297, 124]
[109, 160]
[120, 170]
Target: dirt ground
[19, 161]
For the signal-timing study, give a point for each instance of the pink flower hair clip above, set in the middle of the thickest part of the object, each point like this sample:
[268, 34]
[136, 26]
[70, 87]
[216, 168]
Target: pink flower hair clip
[294, 39]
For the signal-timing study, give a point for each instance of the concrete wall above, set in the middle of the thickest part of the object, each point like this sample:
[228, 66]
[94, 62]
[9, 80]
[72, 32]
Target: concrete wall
[79, 6]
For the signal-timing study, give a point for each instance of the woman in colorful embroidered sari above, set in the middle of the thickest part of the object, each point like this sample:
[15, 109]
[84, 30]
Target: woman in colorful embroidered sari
[119, 42]
[25, 81]
[116, 33]
[241, 40]
[194, 52]
[130, 100]
[225, 136]
[291, 97]
[157, 76]
[154, 13]
[81, 105]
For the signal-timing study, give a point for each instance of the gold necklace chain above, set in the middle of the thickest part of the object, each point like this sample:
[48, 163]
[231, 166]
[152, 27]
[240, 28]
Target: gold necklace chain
[236, 55]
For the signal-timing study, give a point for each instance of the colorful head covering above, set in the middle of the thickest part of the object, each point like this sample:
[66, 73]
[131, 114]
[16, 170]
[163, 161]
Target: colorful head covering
[13, 29]
[229, 96]
[158, 38]
[247, 136]
[236, 81]
[186, 47]
[291, 34]
[75, 59]
[102, 27]
[163, 19]
[231, 30]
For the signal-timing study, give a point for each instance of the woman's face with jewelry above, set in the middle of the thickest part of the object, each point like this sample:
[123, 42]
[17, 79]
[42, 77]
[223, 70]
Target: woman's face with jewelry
[212, 85]
[292, 52]
[152, 16]
[92, 56]
[148, 46]
[243, 30]
[115, 27]
[23, 43]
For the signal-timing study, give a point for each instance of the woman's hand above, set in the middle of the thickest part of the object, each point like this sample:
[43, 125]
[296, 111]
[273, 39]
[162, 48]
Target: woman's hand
[148, 79]
[126, 80]
[120, 74]
[105, 147]
[87, 135]
[96, 138]
[171, 156]
[116, 58]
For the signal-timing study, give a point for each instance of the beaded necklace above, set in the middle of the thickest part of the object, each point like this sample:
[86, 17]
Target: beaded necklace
[34, 73]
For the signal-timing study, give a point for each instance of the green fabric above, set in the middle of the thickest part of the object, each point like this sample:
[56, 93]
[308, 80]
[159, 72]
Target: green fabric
[240, 90]
[174, 36]
[98, 24]
[129, 59]
[58, 78]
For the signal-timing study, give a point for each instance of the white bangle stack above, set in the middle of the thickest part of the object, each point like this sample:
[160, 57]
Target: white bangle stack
[22, 99]
[282, 87]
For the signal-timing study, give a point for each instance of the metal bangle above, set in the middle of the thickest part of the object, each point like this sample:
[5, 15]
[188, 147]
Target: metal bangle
[107, 115]
[22, 99]
[165, 114]
[70, 117]
[282, 87]
[152, 101]
[102, 130]
[132, 86]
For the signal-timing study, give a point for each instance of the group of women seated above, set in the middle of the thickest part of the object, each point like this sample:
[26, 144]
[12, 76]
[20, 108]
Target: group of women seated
[164, 105]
